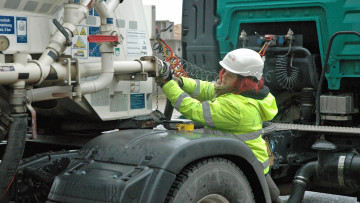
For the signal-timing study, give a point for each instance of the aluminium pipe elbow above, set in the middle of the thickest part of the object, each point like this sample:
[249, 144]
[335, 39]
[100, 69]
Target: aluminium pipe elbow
[105, 10]
[73, 15]
[105, 78]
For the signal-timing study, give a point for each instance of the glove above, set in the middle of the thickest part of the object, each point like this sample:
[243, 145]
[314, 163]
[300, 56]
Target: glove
[179, 81]
[165, 76]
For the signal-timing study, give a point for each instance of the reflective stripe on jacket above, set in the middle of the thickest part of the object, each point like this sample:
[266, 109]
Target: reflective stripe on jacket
[228, 114]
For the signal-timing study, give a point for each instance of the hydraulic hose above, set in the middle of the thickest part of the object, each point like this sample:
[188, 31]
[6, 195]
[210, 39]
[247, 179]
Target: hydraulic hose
[13, 152]
[288, 77]
[169, 109]
[322, 76]
[300, 181]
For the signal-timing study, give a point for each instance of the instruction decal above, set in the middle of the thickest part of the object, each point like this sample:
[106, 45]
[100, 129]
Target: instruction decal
[136, 43]
[21, 29]
[137, 101]
[7, 25]
[94, 48]
[134, 86]
[272, 145]
[117, 51]
[79, 47]
[6, 68]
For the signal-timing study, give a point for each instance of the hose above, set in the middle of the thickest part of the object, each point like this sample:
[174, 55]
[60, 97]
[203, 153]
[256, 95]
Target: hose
[288, 77]
[300, 181]
[183, 65]
[13, 152]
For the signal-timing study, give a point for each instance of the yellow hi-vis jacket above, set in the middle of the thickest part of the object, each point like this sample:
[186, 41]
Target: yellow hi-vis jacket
[237, 116]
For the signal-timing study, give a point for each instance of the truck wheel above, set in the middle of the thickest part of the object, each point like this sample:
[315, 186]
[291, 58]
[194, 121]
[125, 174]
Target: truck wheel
[212, 180]
[5, 112]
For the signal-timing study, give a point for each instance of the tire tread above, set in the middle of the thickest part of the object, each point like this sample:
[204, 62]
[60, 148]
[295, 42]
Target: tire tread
[191, 168]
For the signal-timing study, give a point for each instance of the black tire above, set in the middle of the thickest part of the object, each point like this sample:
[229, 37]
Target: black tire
[214, 176]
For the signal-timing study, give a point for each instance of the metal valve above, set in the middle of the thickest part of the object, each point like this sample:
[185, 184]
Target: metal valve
[63, 31]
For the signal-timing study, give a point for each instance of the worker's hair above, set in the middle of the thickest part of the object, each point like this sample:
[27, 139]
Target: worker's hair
[243, 83]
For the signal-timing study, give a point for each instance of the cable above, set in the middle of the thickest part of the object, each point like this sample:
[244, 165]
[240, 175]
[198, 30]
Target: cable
[288, 77]
[177, 63]
[265, 44]
[172, 59]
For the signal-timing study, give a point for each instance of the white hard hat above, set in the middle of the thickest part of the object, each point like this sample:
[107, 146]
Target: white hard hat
[245, 62]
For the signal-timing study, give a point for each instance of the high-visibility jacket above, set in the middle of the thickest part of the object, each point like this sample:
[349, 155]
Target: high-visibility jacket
[239, 116]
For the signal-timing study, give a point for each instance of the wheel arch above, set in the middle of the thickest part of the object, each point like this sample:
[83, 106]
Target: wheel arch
[208, 148]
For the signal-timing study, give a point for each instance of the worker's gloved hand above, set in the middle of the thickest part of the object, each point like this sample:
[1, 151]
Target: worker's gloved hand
[164, 76]
[179, 81]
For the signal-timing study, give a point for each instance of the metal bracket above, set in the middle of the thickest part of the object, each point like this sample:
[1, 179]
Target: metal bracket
[137, 76]
[158, 63]
[33, 119]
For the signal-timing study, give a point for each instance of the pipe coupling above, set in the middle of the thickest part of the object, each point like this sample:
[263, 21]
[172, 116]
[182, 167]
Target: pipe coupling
[18, 100]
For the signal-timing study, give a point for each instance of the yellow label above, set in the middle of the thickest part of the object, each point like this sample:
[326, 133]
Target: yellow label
[83, 31]
[271, 155]
[79, 44]
[185, 127]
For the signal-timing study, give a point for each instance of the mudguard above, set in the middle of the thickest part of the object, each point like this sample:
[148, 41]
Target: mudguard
[140, 165]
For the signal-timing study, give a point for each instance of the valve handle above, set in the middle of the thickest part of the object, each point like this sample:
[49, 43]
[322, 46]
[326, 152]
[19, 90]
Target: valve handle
[103, 38]
[63, 31]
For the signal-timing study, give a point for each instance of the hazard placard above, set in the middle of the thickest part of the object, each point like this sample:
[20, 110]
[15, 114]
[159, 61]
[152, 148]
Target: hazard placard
[80, 44]
[83, 32]
[80, 47]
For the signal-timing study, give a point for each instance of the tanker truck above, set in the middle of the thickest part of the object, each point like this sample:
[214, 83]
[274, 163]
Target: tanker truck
[76, 116]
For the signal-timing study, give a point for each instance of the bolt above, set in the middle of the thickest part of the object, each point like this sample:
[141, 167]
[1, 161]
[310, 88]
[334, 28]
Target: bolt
[64, 62]
[83, 172]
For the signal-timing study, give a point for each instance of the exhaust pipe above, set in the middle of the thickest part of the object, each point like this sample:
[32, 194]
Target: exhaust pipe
[300, 181]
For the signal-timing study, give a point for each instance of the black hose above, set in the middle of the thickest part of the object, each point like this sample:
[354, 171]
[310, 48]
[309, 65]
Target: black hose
[169, 109]
[288, 77]
[294, 50]
[324, 68]
[13, 152]
[299, 183]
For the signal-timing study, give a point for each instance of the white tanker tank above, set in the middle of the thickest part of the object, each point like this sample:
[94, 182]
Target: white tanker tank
[74, 87]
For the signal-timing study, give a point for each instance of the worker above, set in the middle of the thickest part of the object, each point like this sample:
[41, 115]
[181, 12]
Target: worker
[236, 105]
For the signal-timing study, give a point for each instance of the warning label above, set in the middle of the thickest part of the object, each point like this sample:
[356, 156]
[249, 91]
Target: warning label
[136, 43]
[134, 86]
[83, 32]
[137, 101]
[7, 25]
[79, 48]
[80, 44]
[21, 29]
[94, 48]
